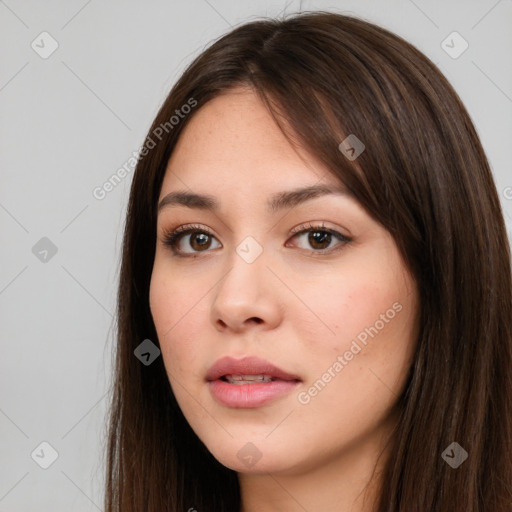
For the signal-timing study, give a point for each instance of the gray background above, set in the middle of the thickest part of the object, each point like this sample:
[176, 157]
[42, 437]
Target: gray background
[67, 123]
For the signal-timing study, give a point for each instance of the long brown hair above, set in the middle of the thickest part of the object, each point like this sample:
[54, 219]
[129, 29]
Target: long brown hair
[424, 176]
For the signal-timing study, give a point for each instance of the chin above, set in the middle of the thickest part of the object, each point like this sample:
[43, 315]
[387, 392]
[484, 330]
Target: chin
[251, 458]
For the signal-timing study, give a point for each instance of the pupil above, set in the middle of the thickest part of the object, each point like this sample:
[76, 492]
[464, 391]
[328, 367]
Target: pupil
[203, 237]
[319, 239]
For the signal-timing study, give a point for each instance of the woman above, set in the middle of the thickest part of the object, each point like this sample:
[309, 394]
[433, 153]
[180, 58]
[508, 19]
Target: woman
[314, 244]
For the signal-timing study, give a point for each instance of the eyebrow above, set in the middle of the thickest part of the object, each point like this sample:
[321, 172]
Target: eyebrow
[279, 201]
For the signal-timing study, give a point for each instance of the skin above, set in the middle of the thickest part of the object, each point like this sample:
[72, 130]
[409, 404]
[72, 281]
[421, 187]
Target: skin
[296, 308]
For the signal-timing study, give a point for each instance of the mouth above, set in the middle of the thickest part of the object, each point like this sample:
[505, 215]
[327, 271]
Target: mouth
[247, 379]
[249, 382]
[247, 370]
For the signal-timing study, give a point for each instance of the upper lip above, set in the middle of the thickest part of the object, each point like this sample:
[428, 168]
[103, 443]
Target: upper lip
[247, 366]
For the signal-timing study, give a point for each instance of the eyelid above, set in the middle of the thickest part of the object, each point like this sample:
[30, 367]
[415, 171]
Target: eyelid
[320, 226]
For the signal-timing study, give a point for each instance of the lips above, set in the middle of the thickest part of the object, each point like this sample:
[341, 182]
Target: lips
[248, 366]
[249, 382]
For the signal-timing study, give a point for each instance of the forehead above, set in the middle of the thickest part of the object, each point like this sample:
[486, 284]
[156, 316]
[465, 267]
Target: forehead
[233, 141]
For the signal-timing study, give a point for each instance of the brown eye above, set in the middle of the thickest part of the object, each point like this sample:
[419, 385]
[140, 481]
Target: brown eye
[319, 239]
[189, 241]
[319, 242]
[200, 241]
[181, 240]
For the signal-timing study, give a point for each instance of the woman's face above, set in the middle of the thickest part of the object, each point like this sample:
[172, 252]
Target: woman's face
[334, 310]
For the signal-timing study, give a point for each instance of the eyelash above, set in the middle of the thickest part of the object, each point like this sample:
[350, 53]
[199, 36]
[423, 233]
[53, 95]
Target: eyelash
[171, 238]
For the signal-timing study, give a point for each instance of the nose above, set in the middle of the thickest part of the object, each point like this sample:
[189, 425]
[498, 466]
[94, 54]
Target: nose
[246, 297]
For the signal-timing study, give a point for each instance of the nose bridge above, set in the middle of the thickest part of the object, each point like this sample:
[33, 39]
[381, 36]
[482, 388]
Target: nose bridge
[246, 272]
[244, 292]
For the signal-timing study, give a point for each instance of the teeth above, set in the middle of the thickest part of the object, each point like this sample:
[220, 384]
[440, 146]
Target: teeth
[247, 379]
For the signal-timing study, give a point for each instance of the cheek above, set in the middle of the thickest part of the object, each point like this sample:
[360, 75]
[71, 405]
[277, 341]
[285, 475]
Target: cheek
[363, 366]
[365, 313]
[179, 315]
[345, 304]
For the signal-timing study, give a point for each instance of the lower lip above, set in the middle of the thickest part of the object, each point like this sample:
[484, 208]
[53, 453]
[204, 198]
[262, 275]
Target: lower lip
[245, 396]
